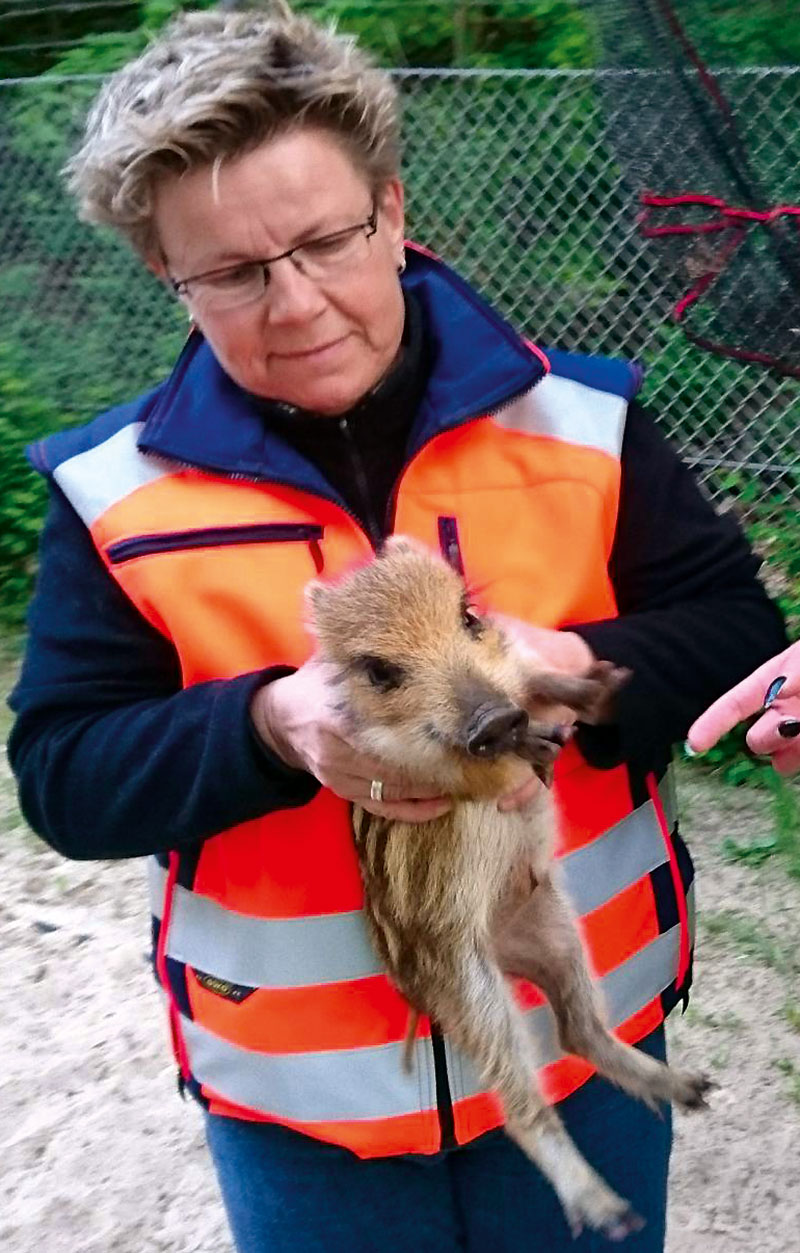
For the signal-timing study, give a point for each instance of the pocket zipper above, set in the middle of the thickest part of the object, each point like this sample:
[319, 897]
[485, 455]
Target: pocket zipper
[219, 536]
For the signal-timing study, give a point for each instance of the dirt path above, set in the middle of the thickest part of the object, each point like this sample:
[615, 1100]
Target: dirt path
[100, 1156]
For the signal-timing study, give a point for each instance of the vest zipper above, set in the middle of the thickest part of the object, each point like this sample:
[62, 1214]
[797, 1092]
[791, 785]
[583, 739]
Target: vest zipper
[372, 527]
[472, 417]
[213, 537]
[444, 1098]
[451, 550]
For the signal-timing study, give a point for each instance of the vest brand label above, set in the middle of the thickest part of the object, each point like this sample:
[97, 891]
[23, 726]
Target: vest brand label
[223, 987]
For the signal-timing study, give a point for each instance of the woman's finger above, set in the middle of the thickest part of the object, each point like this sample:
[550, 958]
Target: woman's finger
[521, 797]
[399, 793]
[763, 737]
[787, 760]
[359, 788]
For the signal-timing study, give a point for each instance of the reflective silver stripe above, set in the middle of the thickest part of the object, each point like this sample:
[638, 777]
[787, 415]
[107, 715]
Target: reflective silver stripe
[95, 480]
[570, 411]
[332, 948]
[625, 990]
[264, 952]
[624, 854]
[348, 1084]
[336, 1085]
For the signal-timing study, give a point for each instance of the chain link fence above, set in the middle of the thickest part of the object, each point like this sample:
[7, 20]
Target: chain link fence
[510, 179]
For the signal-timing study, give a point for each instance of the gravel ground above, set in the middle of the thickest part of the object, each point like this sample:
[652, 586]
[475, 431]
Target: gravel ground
[99, 1155]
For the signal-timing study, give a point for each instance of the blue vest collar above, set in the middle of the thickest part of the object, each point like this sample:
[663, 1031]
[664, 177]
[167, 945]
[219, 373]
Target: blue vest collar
[479, 363]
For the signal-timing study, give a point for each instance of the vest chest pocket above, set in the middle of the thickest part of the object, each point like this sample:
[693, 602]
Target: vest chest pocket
[218, 537]
[228, 598]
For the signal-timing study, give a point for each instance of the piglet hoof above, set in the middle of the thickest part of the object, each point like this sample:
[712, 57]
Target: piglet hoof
[613, 1218]
[623, 1226]
[691, 1089]
[601, 683]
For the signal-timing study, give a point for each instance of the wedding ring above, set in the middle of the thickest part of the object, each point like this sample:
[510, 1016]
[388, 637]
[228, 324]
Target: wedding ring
[376, 790]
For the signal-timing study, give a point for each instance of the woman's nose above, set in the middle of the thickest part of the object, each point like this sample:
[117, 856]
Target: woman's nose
[291, 295]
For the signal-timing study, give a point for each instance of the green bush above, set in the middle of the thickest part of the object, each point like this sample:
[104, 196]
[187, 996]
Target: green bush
[23, 417]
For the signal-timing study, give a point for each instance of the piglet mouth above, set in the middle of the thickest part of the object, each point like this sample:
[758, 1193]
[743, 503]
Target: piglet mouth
[494, 730]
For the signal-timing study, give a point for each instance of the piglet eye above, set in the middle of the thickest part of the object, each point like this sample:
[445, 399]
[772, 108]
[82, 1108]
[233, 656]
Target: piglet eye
[472, 622]
[384, 675]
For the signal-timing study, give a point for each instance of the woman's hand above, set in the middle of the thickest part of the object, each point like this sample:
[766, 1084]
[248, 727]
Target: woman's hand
[776, 734]
[564, 651]
[297, 718]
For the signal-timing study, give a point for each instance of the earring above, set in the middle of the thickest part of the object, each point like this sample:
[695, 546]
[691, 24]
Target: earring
[401, 268]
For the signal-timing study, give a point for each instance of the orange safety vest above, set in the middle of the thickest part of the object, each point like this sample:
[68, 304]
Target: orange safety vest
[280, 1009]
[278, 1006]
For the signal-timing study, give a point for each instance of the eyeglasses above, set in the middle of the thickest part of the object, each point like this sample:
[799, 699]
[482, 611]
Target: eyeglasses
[235, 286]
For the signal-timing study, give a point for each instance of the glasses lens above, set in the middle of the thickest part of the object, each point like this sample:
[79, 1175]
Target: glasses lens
[229, 289]
[320, 257]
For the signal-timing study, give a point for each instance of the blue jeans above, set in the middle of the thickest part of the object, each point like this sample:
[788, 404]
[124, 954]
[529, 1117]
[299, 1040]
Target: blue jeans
[287, 1193]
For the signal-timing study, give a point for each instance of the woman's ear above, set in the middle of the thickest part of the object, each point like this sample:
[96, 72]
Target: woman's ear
[392, 206]
[156, 263]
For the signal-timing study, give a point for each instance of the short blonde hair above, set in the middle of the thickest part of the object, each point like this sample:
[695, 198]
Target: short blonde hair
[215, 85]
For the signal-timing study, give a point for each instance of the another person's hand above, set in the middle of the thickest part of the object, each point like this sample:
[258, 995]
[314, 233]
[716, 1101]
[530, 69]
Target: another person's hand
[776, 734]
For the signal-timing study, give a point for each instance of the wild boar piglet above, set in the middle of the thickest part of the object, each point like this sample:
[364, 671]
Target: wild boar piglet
[440, 692]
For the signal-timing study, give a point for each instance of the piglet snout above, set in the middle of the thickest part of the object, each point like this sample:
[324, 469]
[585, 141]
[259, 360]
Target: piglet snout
[494, 730]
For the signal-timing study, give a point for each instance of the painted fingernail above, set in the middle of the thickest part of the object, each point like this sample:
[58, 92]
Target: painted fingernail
[789, 729]
[688, 750]
[772, 691]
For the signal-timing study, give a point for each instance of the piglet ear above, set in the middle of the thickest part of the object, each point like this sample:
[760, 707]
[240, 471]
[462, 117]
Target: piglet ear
[316, 596]
[401, 544]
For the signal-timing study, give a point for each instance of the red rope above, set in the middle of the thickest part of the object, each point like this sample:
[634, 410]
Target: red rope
[734, 219]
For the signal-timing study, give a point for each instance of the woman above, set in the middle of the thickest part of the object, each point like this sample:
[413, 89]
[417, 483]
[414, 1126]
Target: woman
[337, 387]
[772, 693]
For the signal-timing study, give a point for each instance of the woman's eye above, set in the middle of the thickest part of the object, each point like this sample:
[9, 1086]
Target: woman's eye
[383, 674]
[328, 246]
[238, 277]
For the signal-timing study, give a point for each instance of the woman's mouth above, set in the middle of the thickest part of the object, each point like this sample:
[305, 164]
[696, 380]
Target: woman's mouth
[313, 355]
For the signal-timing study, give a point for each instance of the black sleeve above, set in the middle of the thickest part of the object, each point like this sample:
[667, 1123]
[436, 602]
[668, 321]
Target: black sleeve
[112, 757]
[693, 617]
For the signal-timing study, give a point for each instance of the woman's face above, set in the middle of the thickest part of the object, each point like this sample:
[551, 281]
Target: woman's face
[317, 343]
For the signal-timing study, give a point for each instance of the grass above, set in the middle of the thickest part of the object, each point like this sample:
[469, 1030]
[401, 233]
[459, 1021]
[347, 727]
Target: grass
[10, 654]
[789, 1069]
[786, 817]
[784, 839]
[752, 939]
[791, 1012]
[726, 1021]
